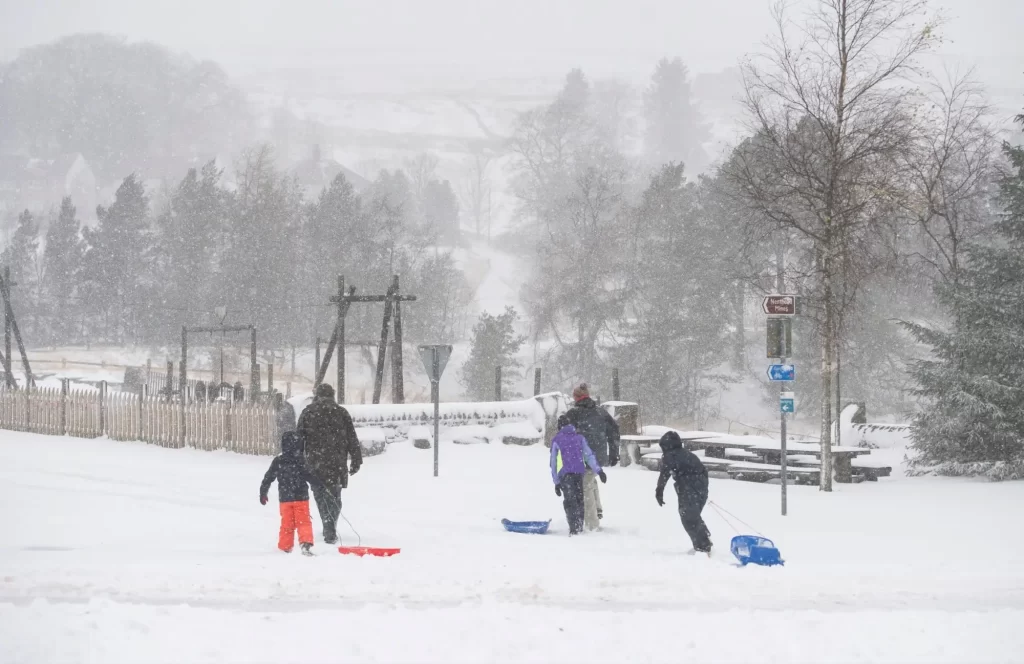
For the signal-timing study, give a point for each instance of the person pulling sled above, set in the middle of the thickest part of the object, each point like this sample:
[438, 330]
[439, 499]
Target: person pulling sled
[570, 458]
[691, 482]
[293, 478]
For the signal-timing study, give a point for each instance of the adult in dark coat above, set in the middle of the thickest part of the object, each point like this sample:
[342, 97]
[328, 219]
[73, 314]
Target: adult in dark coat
[330, 440]
[602, 433]
[691, 482]
[285, 415]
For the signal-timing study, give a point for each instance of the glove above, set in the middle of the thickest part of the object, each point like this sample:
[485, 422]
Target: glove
[604, 478]
[354, 469]
[558, 490]
[660, 498]
[263, 500]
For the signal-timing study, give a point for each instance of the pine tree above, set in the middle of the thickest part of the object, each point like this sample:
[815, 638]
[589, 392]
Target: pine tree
[494, 344]
[22, 257]
[62, 261]
[973, 421]
[675, 130]
[114, 273]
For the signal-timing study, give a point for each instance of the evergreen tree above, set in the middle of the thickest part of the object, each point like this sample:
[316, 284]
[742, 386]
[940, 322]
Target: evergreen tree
[675, 130]
[494, 344]
[973, 421]
[62, 261]
[117, 255]
[22, 257]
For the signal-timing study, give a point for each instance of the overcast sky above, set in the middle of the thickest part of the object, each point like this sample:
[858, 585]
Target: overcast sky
[510, 37]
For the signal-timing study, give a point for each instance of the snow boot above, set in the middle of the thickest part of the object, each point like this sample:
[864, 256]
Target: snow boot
[307, 549]
[600, 514]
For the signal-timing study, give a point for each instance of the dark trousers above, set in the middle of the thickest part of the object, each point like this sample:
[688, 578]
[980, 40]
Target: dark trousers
[572, 500]
[328, 504]
[690, 507]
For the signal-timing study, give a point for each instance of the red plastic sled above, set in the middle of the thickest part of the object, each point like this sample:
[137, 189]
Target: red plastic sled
[368, 551]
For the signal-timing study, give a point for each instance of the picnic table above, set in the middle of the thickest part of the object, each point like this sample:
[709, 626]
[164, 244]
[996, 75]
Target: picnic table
[715, 444]
[630, 444]
[842, 457]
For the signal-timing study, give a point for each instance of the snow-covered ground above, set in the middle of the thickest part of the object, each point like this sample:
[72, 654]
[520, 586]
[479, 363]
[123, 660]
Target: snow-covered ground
[122, 552]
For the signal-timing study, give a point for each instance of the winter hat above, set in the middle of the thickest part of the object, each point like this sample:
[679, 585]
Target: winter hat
[581, 391]
[290, 443]
[324, 391]
[563, 420]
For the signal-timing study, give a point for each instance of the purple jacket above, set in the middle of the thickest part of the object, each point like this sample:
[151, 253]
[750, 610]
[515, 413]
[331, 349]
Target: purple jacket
[570, 453]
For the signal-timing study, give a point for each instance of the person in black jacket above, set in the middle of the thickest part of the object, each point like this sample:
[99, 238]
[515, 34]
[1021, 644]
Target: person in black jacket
[332, 452]
[284, 414]
[691, 482]
[293, 478]
[602, 433]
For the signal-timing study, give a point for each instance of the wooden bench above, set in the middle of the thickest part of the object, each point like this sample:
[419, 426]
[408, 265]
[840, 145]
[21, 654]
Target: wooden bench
[762, 472]
[871, 473]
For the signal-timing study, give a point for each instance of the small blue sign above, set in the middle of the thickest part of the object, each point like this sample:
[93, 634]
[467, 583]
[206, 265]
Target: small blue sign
[782, 372]
[787, 405]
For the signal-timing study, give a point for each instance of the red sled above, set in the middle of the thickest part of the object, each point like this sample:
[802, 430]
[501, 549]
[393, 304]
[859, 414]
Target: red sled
[368, 551]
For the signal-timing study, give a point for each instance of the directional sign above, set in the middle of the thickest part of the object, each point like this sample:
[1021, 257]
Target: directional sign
[781, 372]
[428, 354]
[787, 402]
[779, 305]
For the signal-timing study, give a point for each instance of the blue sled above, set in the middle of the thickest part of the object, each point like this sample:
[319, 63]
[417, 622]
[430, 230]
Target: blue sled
[529, 527]
[757, 550]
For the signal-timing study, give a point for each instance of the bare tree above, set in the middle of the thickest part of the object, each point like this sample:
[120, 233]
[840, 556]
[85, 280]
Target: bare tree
[833, 116]
[476, 190]
[952, 174]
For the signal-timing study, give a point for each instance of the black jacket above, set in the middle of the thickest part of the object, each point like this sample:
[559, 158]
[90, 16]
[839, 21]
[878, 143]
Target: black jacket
[290, 471]
[599, 428]
[685, 467]
[327, 432]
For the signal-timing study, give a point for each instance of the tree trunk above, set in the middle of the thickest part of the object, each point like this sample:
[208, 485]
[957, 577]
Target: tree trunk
[827, 346]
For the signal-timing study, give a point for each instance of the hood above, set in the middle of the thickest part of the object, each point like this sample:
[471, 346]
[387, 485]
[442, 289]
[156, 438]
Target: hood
[670, 441]
[291, 444]
[586, 402]
[568, 430]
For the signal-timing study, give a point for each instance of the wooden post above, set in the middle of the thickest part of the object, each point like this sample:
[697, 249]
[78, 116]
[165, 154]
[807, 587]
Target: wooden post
[316, 363]
[170, 379]
[340, 327]
[183, 380]
[103, 407]
[143, 392]
[270, 376]
[254, 378]
[536, 381]
[64, 407]
[7, 335]
[5, 291]
[382, 347]
[497, 383]
[616, 394]
[397, 361]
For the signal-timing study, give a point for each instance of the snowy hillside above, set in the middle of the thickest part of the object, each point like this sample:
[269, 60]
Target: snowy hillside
[134, 553]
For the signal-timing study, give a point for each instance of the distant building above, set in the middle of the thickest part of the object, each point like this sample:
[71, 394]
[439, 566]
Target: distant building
[316, 174]
[40, 184]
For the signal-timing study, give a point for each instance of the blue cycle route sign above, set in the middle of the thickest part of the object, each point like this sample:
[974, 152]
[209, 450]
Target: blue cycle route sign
[781, 372]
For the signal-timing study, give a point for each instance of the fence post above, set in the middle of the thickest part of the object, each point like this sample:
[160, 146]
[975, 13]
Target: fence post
[270, 377]
[536, 381]
[616, 395]
[170, 379]
[64, 407]
[142, 398]
[497, 383]
[103, 407]
[28, 406]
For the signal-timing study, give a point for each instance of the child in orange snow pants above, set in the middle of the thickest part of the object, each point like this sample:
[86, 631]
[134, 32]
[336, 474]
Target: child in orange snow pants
[295, 516]
[293, 480]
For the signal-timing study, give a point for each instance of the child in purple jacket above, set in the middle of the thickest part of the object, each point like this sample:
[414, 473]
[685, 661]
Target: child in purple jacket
[570, 456]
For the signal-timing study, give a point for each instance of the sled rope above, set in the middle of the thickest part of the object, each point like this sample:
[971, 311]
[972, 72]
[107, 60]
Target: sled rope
[359, 537]
[718, 508]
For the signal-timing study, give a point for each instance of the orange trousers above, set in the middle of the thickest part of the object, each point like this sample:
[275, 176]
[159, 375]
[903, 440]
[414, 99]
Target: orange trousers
[295, 515]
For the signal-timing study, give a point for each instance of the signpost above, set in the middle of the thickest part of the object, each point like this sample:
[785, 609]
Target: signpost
[435, 358]
[780, 310]
[781, 373]
[779, 305]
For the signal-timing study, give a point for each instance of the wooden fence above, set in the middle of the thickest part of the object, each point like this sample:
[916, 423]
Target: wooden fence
[238, 427]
